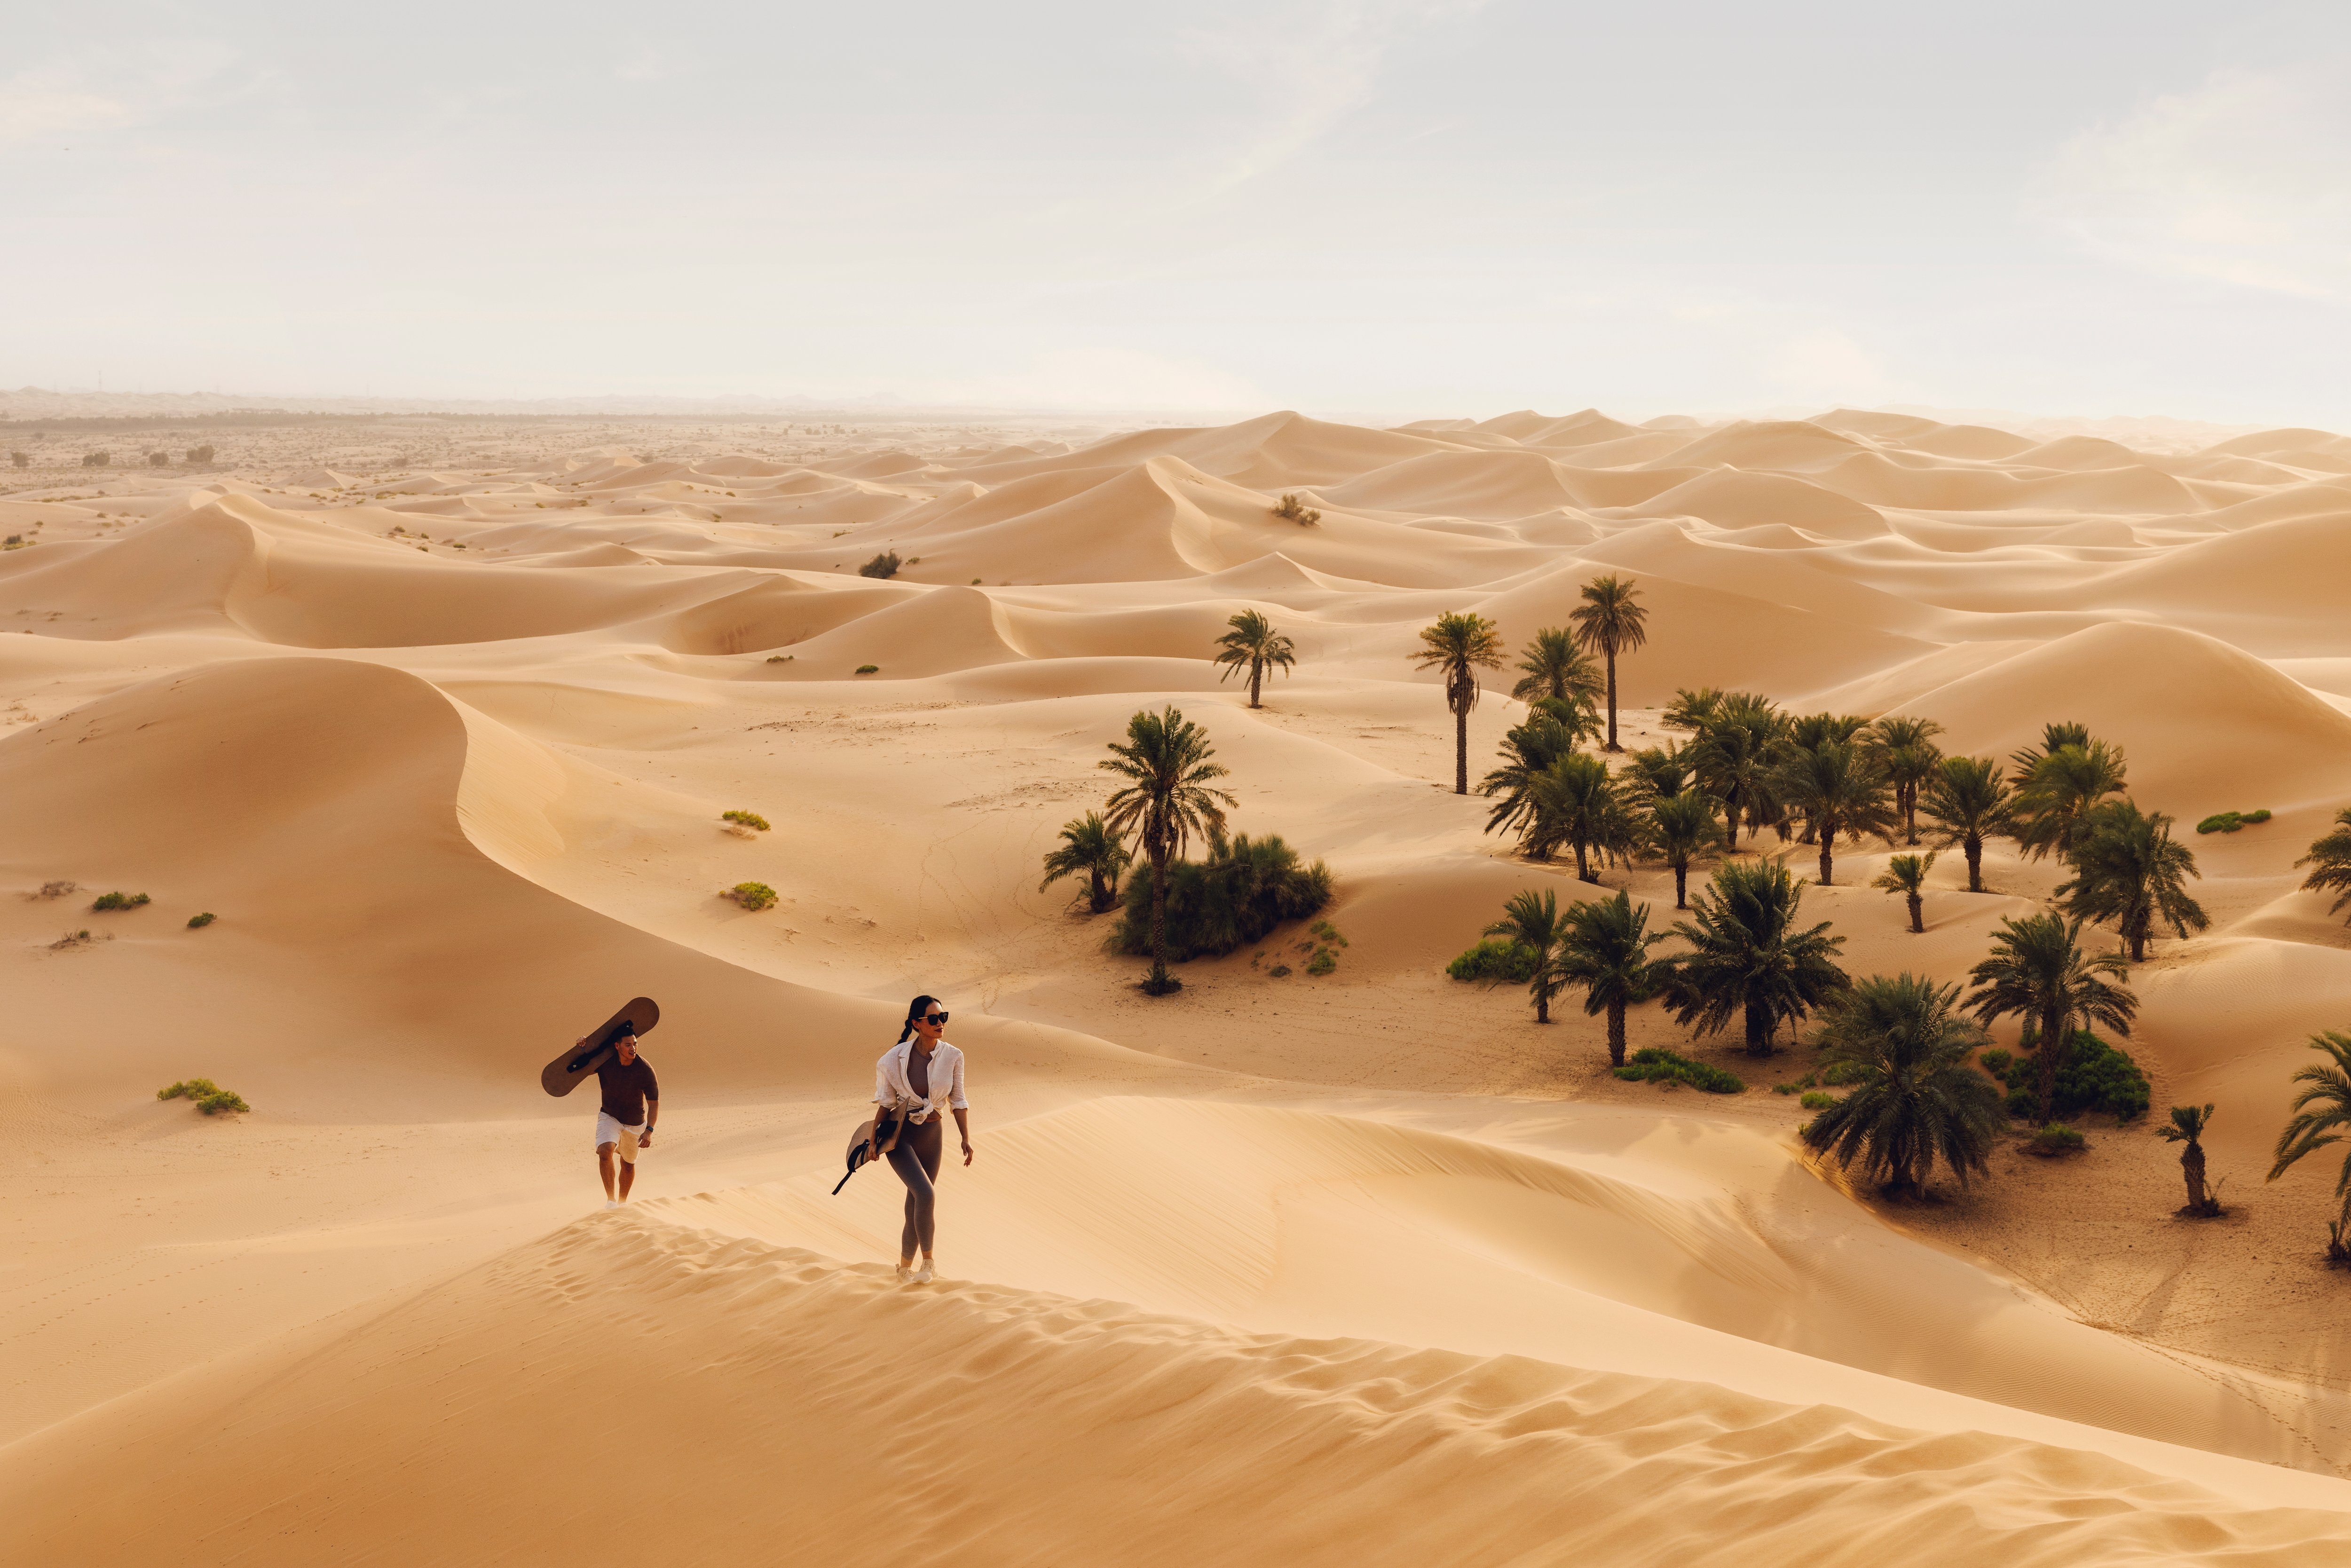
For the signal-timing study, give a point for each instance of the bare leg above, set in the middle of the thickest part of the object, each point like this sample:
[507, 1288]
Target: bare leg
[604, 1167]
[628, 1177]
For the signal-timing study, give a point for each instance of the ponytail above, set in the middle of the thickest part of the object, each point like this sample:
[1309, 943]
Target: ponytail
[914, 1010]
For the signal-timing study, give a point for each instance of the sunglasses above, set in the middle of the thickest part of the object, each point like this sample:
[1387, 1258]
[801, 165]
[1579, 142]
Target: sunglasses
[935, 1018]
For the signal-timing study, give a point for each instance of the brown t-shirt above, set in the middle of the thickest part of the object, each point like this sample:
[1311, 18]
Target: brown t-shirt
[626, 1090]
[918, 1074]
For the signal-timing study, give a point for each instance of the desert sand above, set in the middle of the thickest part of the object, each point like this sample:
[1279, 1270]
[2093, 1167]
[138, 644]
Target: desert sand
[1365, 1266]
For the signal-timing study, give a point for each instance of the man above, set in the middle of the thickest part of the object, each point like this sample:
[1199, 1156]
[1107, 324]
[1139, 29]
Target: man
[624, 1121]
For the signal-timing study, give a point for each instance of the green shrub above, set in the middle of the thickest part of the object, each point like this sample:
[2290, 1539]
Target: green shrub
[198, 922]
[2095, 1076]
[1814, 1100]
[781, 658]
[1323, 963]
[2229, 822]
[1240, 893]
[752, 895]
[1279, 971]
[188, 1089]
[1495, 960]
[119, 900]
[1652, 1065]
[1837, 1074]
[221, 1099]
[1995, 1062]
[885, 565]
[751, 819]
[861, 669]
[2055, 1139]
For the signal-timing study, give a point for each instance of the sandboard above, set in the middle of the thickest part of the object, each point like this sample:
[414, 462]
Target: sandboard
[562, 1075]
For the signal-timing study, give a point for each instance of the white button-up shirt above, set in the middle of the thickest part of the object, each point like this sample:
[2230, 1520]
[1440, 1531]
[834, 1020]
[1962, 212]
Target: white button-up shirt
[893, 1090]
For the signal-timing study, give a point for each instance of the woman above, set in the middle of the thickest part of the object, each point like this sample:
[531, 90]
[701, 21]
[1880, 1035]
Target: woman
[914, 1079]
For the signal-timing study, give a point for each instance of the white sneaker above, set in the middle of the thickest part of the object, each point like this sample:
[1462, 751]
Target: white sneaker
[905, 1273]
[609, 1203]
[923, 1275]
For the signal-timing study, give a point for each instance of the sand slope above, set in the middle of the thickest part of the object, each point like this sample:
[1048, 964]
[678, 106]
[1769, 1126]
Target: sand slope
[1357, 1267]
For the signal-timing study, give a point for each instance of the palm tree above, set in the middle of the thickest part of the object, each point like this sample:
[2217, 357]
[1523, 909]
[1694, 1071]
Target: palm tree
[1808, 731]
[2038, 972]
[1904, 1048]
[1746, 958]
[1681, 830]
[1527, 750]
[1605, 949]
[1556, 668]
[1732, 759]
[1968, 801]
[2127, 868]
[2332, 857]
[2054, 737]
[1692, 709]
[1906, 874]
[1531, 918]
[2189, 1123]
[2322, 1115]
[1091, 850]
[1166, 801]
[1608, 622]
[1907, 748]
[1254, 645]
[2055, 793]
[1659, 771]
[1459, 646]
[1577, 804]
[1840, 788]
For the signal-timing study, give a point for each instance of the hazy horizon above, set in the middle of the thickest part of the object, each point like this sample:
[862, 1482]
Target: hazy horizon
[1384, 209]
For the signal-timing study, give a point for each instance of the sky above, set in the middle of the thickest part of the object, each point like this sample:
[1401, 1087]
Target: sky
[1380, 208]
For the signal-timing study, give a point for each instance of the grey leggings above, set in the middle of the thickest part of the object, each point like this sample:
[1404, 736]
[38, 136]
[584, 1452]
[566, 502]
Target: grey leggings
[916, 1161]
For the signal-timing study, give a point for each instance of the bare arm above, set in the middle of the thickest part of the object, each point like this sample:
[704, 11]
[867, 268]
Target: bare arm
[963, 1125]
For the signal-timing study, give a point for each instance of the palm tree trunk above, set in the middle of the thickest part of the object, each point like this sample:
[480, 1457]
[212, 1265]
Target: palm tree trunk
[2137, 935]
[1161, 982]
[1910, 813]
[1101, 899]
[2191, 1164]
[1917, 915]
[1543, 1003]
[1460, 748]
[1583, 867]
[1759, 1028]
[1681, 885]
[1616, 1032]
[1256, 676]
[1828, 838]
[2055, 1040]
[1973, 844]
[1611, 701]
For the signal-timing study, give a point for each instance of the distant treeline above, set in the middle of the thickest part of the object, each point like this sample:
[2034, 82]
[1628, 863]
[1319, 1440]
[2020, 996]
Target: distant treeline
[268, 418]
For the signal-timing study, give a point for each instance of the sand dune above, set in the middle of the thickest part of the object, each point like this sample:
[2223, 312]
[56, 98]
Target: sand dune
[1359, 1266]
[740, 1359]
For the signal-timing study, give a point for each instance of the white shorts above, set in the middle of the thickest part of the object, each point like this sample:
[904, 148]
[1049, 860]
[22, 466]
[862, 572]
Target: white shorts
[610, 1130]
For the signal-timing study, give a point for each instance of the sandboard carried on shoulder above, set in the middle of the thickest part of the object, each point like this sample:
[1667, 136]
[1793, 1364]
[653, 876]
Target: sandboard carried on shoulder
[562, 1075]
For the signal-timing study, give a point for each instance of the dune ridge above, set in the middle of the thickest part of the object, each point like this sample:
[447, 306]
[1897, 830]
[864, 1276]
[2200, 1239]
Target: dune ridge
[1363, 1266]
